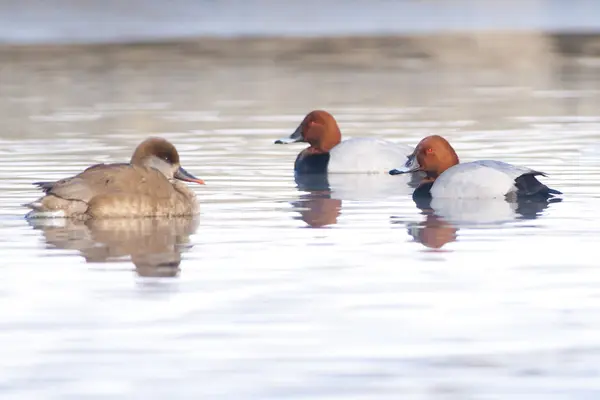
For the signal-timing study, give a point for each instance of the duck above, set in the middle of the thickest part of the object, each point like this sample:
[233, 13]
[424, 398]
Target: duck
[446, 177]
[327, 152]
[150, 185]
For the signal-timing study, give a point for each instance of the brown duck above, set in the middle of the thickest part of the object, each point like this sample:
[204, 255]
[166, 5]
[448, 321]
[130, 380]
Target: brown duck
[148, 186]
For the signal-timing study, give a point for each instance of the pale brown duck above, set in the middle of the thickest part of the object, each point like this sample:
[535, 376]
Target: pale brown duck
[148, 186]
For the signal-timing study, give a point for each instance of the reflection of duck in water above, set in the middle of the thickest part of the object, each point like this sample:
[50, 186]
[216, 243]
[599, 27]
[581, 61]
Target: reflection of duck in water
[154, 245]
[316, 207]
[434, 232]
[322, 203]
[360, 187]
[483, 211]
[312, 182]
[444, 217]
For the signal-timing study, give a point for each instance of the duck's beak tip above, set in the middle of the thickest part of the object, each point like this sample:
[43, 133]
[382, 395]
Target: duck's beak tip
[183, 175]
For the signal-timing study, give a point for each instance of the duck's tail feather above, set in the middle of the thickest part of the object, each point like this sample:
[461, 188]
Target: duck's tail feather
[51, 206]
[528, 186]
[39, 210]
[35, 214]
[34, 205]
[45, 186]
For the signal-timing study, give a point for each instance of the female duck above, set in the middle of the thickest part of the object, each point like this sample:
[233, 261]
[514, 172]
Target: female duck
[446, 178]
[327, 153]
[146, 186]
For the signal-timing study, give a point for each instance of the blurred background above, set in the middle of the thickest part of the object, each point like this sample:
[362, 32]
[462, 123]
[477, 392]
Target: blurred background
[283, 56]
[84, 21]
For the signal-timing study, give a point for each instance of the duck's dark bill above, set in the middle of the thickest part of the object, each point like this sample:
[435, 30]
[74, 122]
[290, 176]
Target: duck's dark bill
[287, 140]
[294, 137]
[183, 175]
[411, 165]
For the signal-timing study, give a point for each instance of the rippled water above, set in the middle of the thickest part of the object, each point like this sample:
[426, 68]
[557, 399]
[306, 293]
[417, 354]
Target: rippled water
[276, 292]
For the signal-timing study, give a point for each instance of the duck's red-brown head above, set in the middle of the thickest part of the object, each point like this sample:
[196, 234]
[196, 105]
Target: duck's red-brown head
[319, 129]
[433, 155]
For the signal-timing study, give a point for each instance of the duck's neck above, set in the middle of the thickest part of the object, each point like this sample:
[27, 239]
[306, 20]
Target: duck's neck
[423, 191]
[430, 177]
[315, 150]
[326, 141]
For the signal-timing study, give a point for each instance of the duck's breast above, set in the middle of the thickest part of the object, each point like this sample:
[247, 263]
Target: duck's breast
[478, 179]
[367, 155]
[309, 163]
[172, 204]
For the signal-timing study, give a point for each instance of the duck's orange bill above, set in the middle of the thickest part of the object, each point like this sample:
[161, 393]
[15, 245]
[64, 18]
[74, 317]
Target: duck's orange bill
[183, 175]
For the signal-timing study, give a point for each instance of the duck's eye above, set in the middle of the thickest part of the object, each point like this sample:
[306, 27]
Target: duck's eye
[429, 150]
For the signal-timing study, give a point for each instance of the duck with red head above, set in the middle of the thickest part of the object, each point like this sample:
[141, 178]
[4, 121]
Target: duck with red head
[447, 178]
[149, 185]
[327, 152]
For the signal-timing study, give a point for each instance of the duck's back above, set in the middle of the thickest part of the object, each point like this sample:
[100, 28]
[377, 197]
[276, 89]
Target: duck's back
[478, 179]
[367, 155]
[104, 179]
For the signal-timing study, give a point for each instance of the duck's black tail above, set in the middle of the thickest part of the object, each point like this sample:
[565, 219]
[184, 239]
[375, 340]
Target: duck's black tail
[528, 186]
[45, 186]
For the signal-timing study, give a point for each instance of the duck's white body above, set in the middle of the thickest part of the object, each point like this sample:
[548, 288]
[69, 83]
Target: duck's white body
[478, 179]
[366, 155]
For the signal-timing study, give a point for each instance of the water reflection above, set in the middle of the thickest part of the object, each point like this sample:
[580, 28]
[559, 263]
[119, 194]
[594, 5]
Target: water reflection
[434, 232]
[153, 245]
[312, 182]
[359, 186]
[318, 209]
[320, 202]
[444, 217]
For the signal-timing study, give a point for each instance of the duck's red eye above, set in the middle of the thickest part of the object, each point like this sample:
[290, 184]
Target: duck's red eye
[429, 150]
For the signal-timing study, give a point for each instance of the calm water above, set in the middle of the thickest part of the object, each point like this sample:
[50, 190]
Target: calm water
[350, 293]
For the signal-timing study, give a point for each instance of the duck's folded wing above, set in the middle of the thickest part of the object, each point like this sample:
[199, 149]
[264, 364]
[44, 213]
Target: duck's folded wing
[105, 179]
[47, 186]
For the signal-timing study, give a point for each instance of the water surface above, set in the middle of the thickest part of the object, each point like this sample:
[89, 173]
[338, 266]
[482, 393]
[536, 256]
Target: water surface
[279, 292]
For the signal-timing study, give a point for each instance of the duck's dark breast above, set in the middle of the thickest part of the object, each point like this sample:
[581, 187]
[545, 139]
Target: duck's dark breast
[311, 163]
[422, 195]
